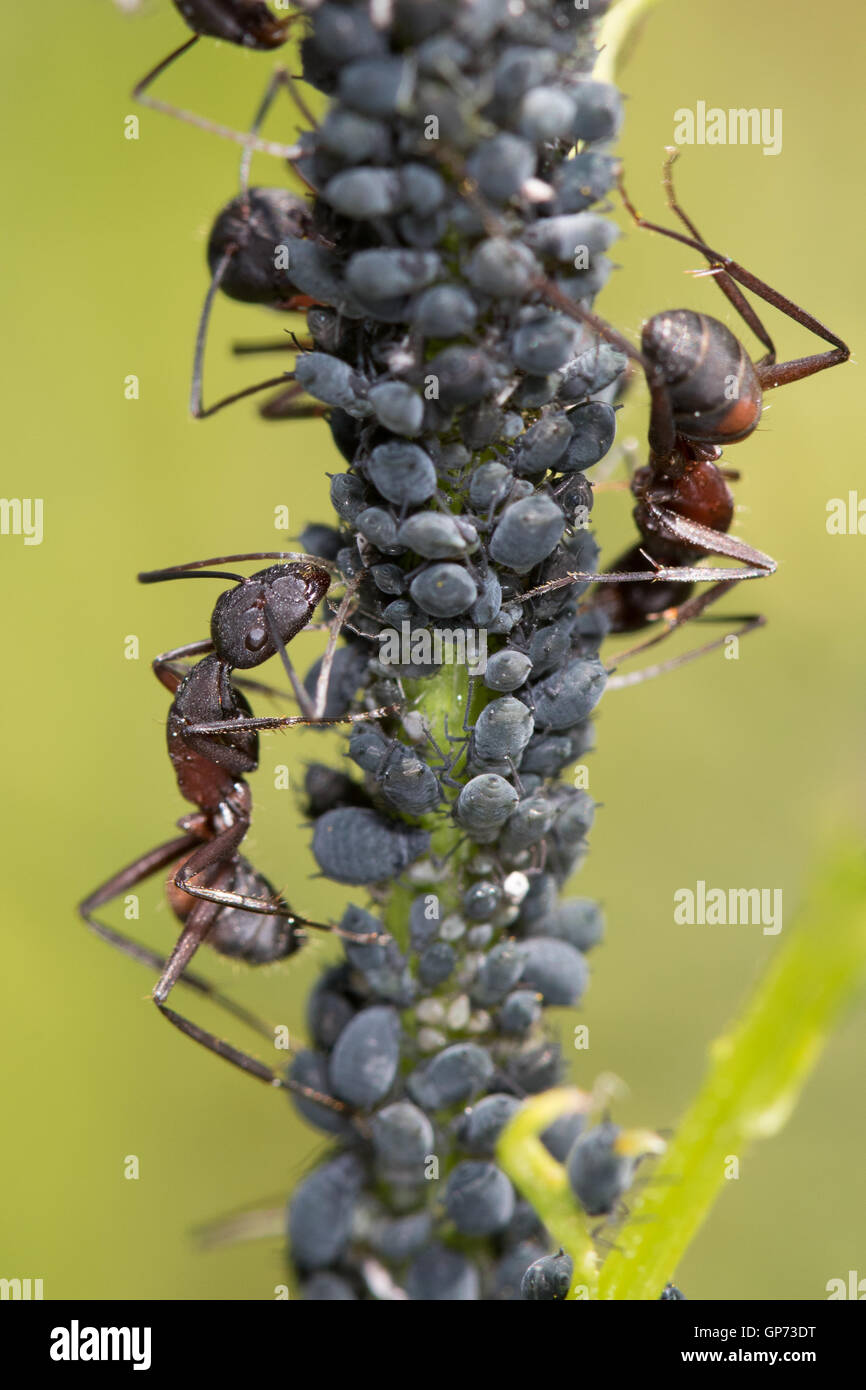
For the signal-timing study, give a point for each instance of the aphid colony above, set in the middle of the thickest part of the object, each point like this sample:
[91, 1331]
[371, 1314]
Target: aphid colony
[446, 255]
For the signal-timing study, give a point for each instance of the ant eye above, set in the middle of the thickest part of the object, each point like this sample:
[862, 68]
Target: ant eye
[255, 639]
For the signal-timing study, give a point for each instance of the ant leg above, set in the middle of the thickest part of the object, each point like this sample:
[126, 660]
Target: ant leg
[255, 346]
[324, 679]
[140, 869]
[286, 406]
[728, 286]
[230, 726]
[252, 142]
[672, 526]
[196, 404]
[769, 374]
[165, 667]
[650, 672]
[195, 931]
[247, 1063]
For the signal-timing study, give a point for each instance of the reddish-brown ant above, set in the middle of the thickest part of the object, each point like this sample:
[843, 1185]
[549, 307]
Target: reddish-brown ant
[248, 23]
[705, 392]
[213, 743]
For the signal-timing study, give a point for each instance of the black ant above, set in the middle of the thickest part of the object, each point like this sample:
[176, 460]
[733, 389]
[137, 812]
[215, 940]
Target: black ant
[248, 23]
[213, 743]
[705, 392]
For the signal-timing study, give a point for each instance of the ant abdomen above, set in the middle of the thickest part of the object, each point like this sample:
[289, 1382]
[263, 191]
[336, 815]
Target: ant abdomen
[246, 22]
[253, 227]
[714, 392]
[256, 938]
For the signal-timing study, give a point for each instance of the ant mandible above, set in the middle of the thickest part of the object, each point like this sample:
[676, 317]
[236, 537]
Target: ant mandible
[704, 392]
[248, 23]
[213, 743]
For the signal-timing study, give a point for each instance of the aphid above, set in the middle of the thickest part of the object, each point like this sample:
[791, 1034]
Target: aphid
[544, 444]
[484, 805]
[366, 193]
[527, 532]
[479, 1198]
[520, 1011]
[547, 113]
[390, 273]
[454, 1075]
[590, 372]
[558, 236]
[213, 743]
[548, 1280]
[479, 1128]
[403, 473]
[363, 1065]
[463, 374]
[502, 268]
[579, 921]
[355, 845]
[599, 111]
[333, 381]
[376, 957]
[555, 969]
[490, 483]
[507, 670]
[501, 165]
[601, 1165]
[569, 695]
[402, 1137]
[327, 1287]
[593, 429]
[397, 407]
[501, 733]
[583, 180]
[500, 971]
[559, 1138]
[436, 964]
[444, 311]
[376, 86]
[442, 1274]
[378, 527]
[437, 536]
[528, 824]
[544, 342]
[349, 496]
[321, 1211]
[443, 590]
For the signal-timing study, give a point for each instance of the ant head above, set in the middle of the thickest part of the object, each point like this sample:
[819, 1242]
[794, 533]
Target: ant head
[246, 22]
[253, 228]
[254, 620]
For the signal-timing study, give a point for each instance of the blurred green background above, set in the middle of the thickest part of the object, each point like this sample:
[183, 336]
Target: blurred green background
[738, 773]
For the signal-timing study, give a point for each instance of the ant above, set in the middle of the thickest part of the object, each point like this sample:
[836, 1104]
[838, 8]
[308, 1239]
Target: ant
[241, 254]
[248, 23]
[705, 392]
[213, 743]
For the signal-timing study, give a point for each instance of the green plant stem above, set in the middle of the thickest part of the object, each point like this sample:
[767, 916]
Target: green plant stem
[543, 1181]
[757, 1070]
